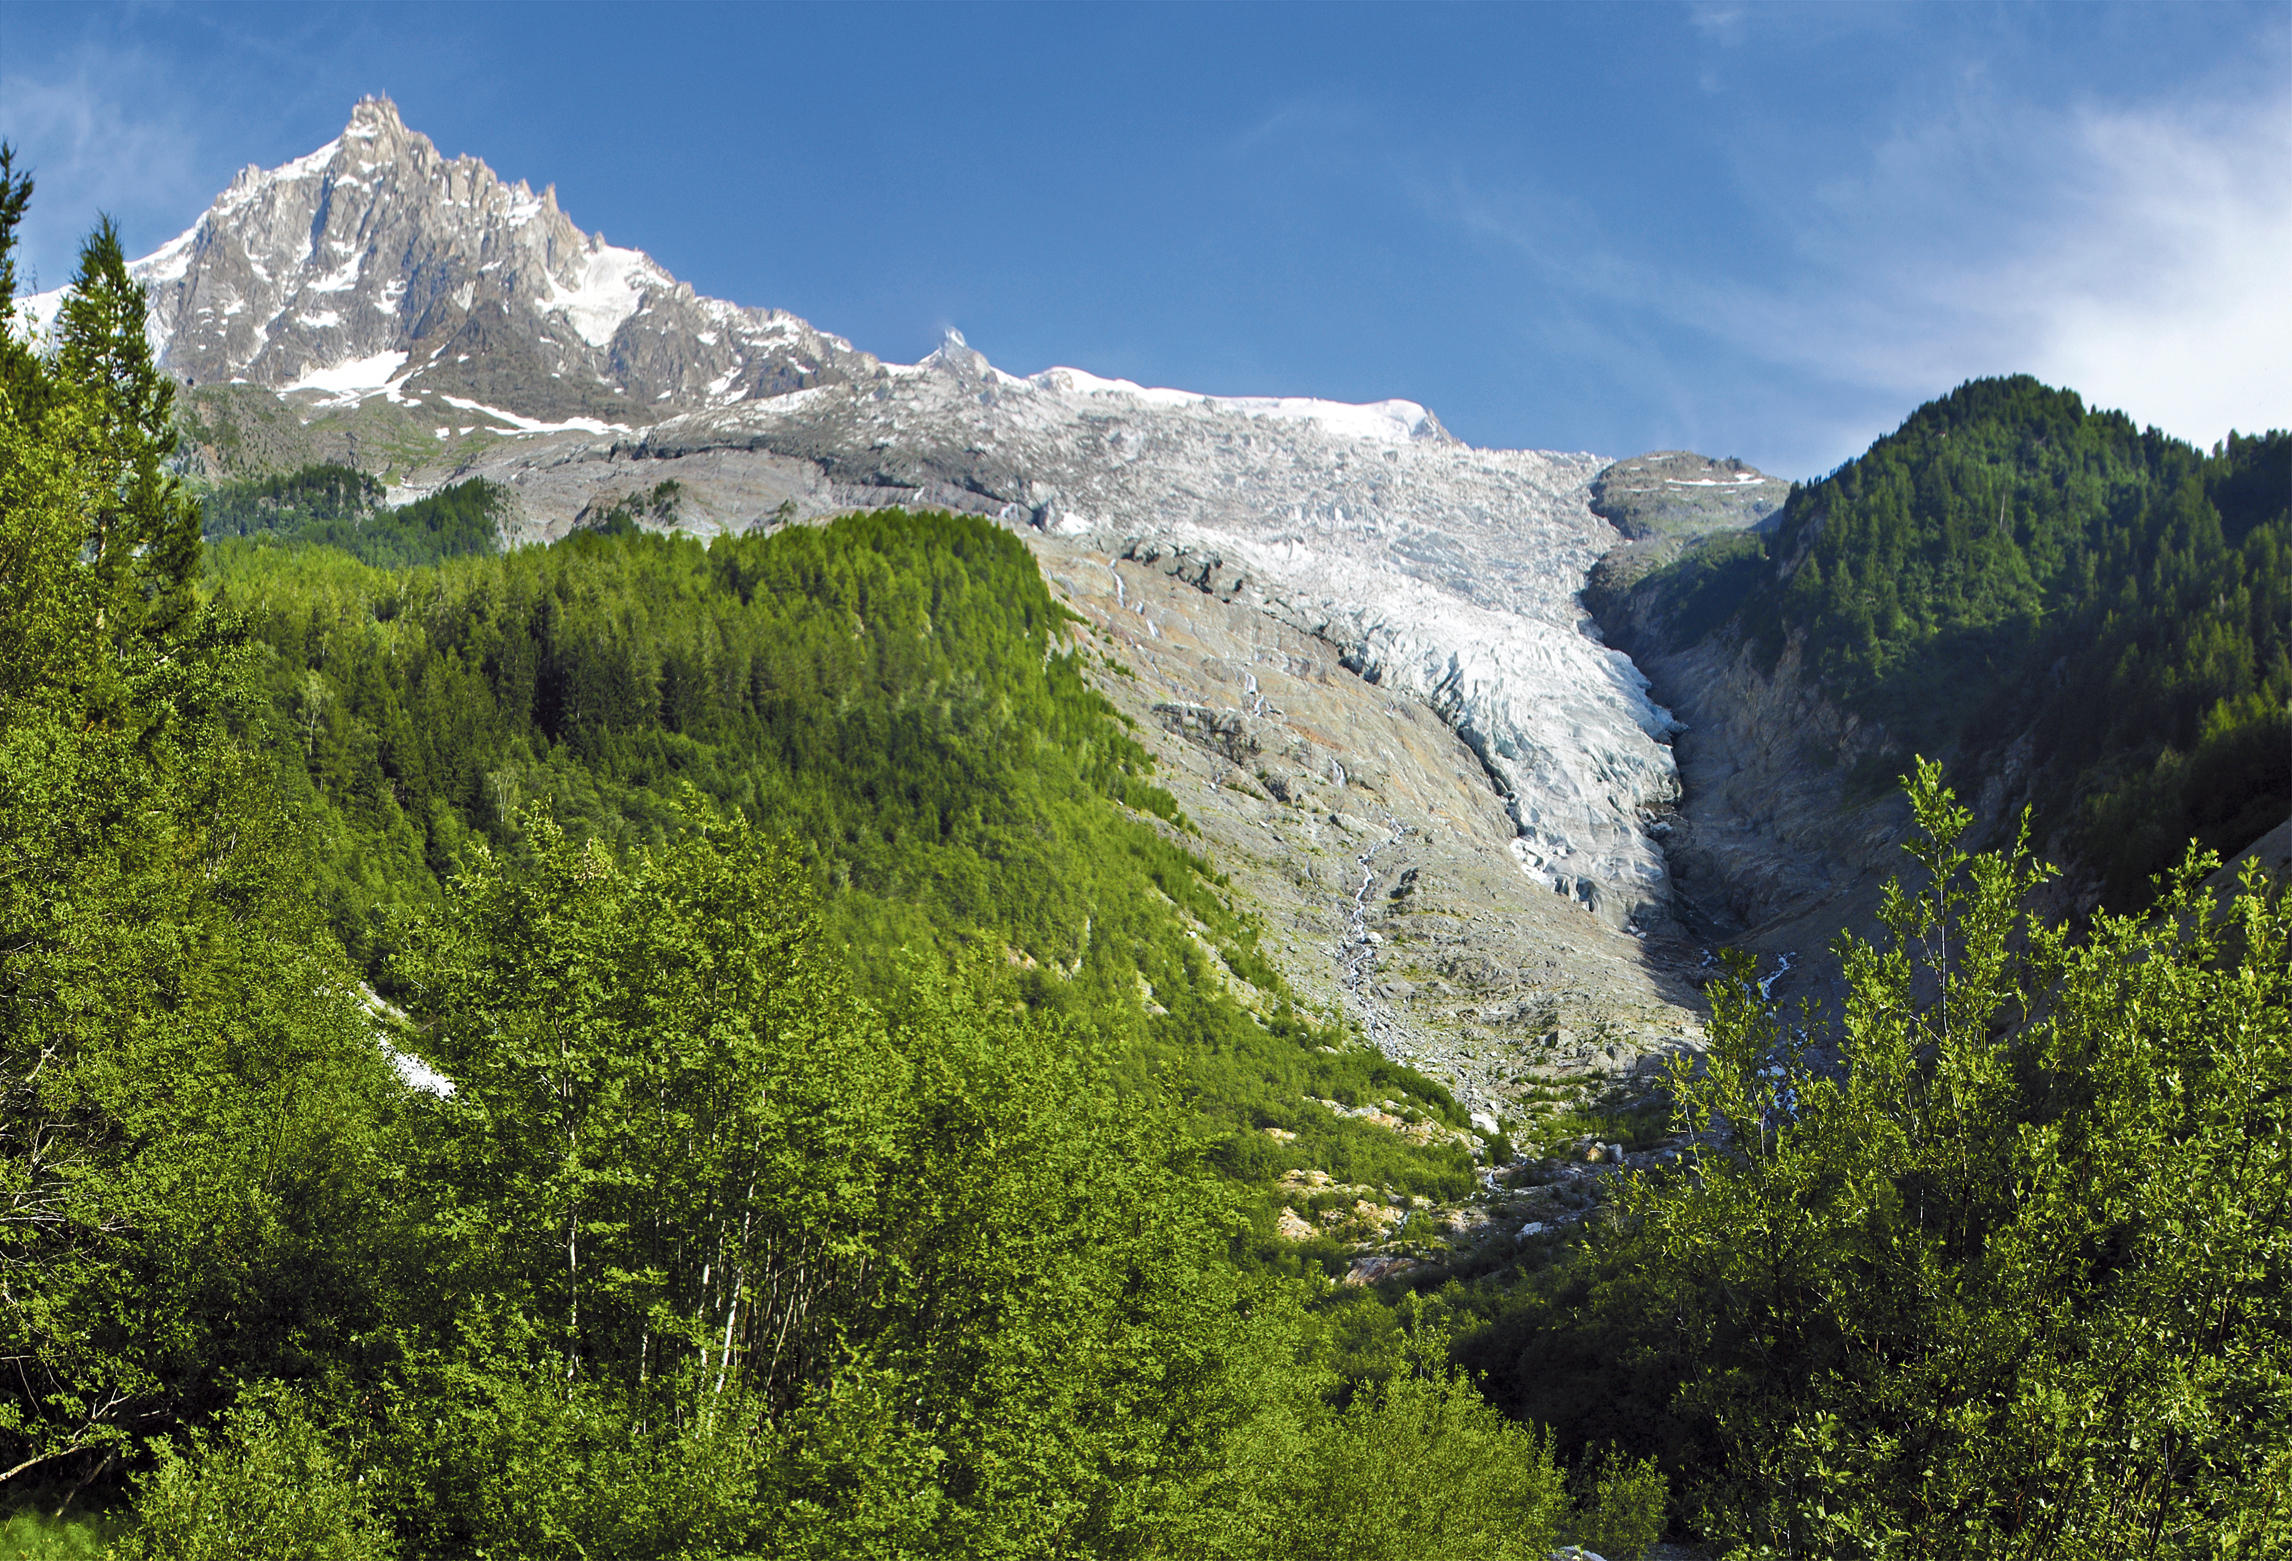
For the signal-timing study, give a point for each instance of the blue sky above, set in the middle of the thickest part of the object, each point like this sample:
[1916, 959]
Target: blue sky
[1749, 230]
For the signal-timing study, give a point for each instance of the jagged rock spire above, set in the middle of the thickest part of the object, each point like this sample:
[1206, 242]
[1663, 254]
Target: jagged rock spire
[377, 265]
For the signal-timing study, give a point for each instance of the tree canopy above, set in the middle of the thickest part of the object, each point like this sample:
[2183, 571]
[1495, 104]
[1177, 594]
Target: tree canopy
[2011, 567]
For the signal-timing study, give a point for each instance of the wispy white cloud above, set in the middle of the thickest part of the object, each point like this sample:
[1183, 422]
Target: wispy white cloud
[2138, 255]
[95, 143]
[2169, 292]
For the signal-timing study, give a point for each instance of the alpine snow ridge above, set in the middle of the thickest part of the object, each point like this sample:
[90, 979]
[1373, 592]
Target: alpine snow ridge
[375, 273]
[1436, 570]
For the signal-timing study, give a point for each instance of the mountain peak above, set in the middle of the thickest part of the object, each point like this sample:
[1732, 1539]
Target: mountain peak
[959, 358]
[374, 266]
[375, 112]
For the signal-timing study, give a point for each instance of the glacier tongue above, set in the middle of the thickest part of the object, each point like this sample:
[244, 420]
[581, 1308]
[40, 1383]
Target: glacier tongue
[1436, 569]
[1442, 572]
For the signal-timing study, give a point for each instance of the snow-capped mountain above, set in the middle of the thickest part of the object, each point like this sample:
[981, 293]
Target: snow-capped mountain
[376, 265]
[376, 269]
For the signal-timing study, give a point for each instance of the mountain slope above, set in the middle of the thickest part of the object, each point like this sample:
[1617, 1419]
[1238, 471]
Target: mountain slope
[377, 305]
[422, 319]
[2082, 617]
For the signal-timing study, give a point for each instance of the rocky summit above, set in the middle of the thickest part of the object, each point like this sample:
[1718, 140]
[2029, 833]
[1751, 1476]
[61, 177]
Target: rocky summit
[377, 266]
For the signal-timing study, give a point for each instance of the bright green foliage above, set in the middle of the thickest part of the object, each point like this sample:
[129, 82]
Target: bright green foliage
[2018, 1282]
[144, 537]
[892, 692]
[665, 1106]
[1996, 1263]
[266, 1486]
[2009, 562]
[1623, 1509]
[1416, 1468]
[183, 1079]
[23, 379]
[925, 1279]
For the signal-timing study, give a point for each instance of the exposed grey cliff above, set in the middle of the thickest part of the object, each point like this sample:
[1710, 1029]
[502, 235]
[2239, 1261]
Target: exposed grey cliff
[376, 265]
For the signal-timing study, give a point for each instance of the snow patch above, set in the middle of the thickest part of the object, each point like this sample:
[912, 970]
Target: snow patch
[351, 379]
[306, 165]
[611, 285]
[170, 262]
[340, 280]
[1386, 422]
[36, 313]
[416, 1074]
[532, 425]
[1081, 382]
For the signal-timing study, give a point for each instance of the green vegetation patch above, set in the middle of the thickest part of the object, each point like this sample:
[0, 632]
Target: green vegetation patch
[339, 507]
[895, 693]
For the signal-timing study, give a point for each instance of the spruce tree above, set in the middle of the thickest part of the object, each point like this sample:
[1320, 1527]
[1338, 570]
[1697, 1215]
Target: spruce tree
[144, 534]
[22, 378]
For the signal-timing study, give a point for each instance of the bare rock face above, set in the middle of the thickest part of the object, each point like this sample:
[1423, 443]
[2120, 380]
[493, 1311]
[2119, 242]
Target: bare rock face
[1783, 840]
[1366, 834]
[376, 266]
[1679, 493]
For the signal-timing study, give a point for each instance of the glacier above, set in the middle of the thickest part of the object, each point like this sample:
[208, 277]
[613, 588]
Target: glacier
[375, 276]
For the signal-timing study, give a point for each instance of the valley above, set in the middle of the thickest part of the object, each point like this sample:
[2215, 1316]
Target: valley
[1039, 966]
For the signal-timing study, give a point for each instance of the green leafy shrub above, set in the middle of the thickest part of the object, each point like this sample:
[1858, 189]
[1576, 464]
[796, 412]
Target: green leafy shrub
[1951, 1300]
[1996, 1262]
[1621, 1514]
[265, 1486]
[1416, 1468]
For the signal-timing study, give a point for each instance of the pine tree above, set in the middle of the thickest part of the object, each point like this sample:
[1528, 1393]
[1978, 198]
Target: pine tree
[23, 380]
[144, 537]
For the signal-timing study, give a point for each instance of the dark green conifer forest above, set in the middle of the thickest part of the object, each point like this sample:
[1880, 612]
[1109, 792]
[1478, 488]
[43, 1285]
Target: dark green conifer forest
[641, 1049]
[2009, 567]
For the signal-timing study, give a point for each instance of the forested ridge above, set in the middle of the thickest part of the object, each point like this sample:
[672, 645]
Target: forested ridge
[2011, 566]
[341, 508]
[856, 1134]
